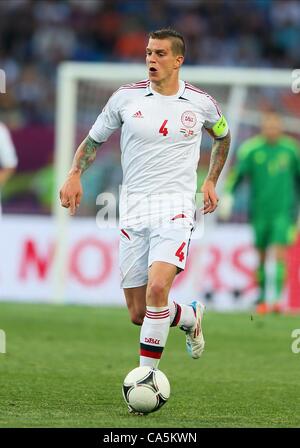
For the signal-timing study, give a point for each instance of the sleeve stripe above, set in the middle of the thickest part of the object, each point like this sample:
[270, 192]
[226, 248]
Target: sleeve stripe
[195, 89]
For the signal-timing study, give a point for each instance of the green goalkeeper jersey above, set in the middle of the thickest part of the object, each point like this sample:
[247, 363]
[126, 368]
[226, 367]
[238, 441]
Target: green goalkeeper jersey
[274, 174]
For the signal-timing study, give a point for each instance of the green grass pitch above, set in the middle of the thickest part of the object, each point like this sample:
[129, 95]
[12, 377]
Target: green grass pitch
[65, 365]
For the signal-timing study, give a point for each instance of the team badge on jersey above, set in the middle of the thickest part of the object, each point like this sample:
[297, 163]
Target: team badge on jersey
[188, 119]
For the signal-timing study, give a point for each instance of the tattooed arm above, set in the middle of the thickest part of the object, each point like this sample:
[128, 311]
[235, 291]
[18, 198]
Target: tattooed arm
[218, 158]
[84, 156]
[71, 191]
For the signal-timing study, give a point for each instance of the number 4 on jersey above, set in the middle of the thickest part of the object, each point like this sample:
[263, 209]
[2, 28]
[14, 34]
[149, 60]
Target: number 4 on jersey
[179, 253]
[163, 130]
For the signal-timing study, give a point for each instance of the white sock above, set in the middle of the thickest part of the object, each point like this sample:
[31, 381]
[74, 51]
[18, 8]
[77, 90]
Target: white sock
[181, 315]
[154, 334]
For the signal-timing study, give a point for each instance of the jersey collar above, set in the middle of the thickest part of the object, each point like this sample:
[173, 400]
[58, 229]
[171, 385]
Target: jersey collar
[180, 91]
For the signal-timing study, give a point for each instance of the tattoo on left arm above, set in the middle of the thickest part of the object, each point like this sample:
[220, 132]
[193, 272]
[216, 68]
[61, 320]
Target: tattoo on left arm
[218, 157]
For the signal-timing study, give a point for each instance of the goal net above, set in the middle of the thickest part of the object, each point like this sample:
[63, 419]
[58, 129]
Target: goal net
[84, 88]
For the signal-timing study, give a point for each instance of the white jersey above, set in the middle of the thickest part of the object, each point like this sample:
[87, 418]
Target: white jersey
[8, 157]
[160, 147]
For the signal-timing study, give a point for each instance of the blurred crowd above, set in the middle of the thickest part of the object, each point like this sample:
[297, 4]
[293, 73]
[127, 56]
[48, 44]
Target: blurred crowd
[36, 35]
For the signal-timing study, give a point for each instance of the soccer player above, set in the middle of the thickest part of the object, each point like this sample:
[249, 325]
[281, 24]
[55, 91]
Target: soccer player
[8, 157]
[162, 119]
[271, 162]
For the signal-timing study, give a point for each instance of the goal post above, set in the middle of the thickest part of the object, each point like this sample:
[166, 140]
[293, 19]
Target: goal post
[73, 75]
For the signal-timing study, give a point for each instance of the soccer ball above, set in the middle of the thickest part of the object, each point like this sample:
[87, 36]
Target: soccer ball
[146, 389]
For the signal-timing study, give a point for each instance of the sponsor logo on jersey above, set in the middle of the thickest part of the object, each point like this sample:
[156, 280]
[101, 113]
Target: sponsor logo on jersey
[188, 119]
[152, 341]
[138, 114]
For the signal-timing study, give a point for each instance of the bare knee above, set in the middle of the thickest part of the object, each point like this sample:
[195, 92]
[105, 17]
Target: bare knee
[136, 303]
[157, 291]
[137, 317]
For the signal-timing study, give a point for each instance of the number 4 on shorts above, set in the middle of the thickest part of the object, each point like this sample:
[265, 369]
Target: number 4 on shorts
[179, 253]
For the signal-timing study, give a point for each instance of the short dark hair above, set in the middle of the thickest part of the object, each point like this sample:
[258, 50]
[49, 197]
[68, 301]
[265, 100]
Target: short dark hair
[178, 44]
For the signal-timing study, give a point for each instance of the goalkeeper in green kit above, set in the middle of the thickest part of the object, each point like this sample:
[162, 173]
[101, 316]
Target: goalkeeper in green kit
[271, 163]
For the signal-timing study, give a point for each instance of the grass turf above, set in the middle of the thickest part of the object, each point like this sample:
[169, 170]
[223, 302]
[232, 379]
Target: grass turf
[65, 365]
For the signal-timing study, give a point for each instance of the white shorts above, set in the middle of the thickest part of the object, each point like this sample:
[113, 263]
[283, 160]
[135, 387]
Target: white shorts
[140, 248]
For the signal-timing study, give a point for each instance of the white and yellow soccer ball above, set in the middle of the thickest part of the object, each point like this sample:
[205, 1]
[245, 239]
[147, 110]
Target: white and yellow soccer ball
[145, 390]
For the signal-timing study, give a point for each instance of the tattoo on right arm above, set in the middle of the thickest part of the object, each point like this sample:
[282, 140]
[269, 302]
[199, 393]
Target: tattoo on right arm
[85, 155]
